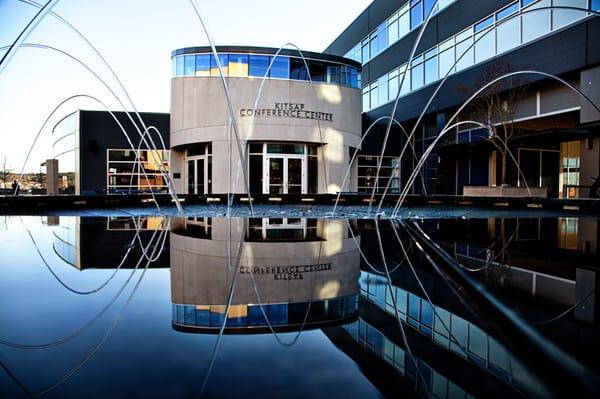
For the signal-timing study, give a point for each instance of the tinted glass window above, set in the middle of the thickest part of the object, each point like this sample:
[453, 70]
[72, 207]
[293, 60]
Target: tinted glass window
[214, 69]
[238, 65]
[179, 66]
[258, 65]
[416, 14]
[190, 65]
[297, 69]
[280, 68]
[203, 65]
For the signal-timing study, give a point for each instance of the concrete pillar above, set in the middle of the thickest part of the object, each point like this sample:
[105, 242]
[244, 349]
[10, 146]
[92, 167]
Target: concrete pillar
[52, 176]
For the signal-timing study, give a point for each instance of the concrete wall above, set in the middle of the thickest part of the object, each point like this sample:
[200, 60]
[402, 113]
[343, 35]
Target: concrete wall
[200, 274]
[199, 114]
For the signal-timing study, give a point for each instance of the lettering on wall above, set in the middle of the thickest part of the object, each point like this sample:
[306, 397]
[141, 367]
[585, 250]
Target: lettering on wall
[286, 272]
[287, 110]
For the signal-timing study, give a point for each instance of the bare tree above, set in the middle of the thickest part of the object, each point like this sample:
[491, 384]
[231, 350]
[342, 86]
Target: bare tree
[5, 170]
[496, 108]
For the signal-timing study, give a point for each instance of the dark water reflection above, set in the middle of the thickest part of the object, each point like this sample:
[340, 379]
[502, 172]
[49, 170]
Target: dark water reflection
[288, 307]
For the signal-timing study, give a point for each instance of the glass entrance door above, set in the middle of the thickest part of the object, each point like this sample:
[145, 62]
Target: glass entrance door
[196, 175]
[294, 175]
[285, 174]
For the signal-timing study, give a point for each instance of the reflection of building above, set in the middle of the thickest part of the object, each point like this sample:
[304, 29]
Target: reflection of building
[104, 243]
[557, 144]
[310, 274]
[299, 138]
[549, 262]
[95, 156]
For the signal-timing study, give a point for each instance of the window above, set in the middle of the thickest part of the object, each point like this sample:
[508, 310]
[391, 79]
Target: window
[179, 66]
[393, 84]
[280, 68]
[366, 105]
[214, 69]
[374, 97]
[446, 57]
[416, 13]
[561, 18]
[382, 37]
[373, 44]
[365, 50]
[536, 23]
[238, 65]
[404, 21]
[383, 89]
[464, 49]
[505, 12]
[485, 40]
[190, 65]
[431, 66]
[596, 5]
[508, 34]
[203, 65]
[393, 28]
[129, 170]
[416, 73]
[258, 65]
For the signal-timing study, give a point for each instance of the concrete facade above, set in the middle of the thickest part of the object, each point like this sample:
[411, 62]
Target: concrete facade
[200, 274]
[199, 114]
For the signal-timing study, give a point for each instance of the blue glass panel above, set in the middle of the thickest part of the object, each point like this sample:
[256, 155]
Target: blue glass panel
[428, 6]
[595, 5]
[258, 65]
[202, 318]
[190, 65]
[180, 314]
[173, 66]
[214, 68]
[526, 2]
[216, 318]
[189, 315]
[484, 24]
[255, 316]
[426, 317]
[507, 11]
[179, 68]
[203, 64]
[416, 14]
[280, 68]
[237, 321]
[413, 308]
[277, 314]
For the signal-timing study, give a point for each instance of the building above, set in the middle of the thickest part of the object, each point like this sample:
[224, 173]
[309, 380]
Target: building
[297, 140]
[96, 157]
[553, 132]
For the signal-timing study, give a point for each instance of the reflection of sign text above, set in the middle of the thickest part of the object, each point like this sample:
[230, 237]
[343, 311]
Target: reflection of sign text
[287, 110]
[286, 272]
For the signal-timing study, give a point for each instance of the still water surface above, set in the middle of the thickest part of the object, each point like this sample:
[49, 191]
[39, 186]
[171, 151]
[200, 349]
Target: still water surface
[289, 307]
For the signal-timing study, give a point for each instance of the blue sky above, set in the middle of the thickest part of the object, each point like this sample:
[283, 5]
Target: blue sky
[136, 37]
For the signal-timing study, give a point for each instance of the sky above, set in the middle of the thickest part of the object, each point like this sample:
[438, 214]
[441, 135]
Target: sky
[136, 37]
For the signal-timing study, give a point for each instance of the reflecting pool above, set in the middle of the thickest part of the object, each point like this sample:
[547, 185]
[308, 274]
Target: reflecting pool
[294, 307]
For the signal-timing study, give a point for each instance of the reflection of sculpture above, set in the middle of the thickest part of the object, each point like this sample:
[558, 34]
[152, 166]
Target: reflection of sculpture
[313, 280]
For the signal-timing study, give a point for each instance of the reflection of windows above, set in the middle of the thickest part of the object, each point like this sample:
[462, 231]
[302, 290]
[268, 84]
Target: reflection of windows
[567, 233]
[136, 170]
[141, 223]
[278, 314]
[569, 169]
[197, 227]
[282, 229]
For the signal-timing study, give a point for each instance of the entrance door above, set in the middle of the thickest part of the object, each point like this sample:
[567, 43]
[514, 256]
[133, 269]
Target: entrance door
[294, 175]
[196, 175]
[285, 174]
